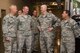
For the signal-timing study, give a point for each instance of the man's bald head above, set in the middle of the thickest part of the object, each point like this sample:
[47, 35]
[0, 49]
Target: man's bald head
[13, 9]
[43, 8]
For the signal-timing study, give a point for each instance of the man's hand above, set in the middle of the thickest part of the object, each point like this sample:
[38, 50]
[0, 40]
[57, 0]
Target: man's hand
[40, 29]
[50, 29]
[7, 39]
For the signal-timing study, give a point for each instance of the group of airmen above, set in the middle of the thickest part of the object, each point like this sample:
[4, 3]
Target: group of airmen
[30, 30]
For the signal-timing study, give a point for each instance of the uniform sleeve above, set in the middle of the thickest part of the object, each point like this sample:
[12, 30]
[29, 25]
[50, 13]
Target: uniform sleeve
[39, 23]
[55, 21]
[39, 20]
[76, 29]
[5, 26]
[31, 24]
[18, 22]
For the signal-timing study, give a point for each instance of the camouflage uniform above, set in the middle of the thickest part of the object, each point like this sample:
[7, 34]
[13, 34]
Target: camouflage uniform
[70, 30]
[35, 31]
[24, 32]
[46, 37]
[9, 27]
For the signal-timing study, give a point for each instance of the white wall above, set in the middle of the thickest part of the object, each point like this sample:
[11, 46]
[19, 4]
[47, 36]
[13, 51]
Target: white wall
[4, 4]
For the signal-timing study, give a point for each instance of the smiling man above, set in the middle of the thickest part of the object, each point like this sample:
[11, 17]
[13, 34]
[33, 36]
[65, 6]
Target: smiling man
[48, 22]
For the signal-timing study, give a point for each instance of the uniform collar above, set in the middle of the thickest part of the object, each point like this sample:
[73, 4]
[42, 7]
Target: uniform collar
[44, 16]
[25, 16]
[11, 14]
[67, 20]
[34, 17]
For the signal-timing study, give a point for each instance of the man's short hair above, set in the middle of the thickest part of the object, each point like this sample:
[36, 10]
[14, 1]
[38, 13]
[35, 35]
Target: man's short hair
[12, 6]
[44, 5]
[25, 6]
[68, 12]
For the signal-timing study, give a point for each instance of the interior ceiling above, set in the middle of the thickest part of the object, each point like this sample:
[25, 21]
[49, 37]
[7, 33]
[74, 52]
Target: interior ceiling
[47, 2]
[42, 0]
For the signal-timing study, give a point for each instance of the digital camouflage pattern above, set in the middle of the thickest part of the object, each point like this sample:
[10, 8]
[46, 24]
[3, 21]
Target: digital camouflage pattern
[24, 32]
[36, 33]
[47, 37]
[70, 30]
[9, 28]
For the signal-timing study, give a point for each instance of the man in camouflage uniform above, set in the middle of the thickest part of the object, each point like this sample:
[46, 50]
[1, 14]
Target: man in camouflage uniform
[9, 27]
[24, 30]
[48, 22]
[70, 30]
[35, 31]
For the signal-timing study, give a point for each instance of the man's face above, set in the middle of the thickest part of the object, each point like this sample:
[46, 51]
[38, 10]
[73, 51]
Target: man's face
[14, 10]
[25, 10]
[43, 8]
[64, 14]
